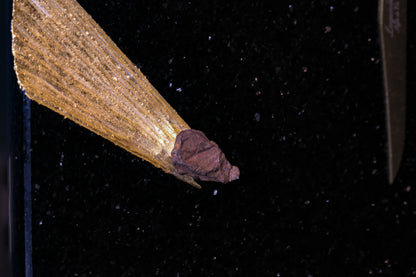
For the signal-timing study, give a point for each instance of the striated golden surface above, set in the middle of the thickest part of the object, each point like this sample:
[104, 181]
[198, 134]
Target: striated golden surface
[66, 62]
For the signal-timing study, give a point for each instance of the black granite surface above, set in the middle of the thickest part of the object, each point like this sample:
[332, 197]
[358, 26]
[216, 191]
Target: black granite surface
[292, 93]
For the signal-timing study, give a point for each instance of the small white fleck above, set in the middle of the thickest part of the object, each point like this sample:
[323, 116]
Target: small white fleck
[209, 37]
[215, 192]
[257, 117]
[179, 89]
[40, 222]
[43, 9]
[327, 29]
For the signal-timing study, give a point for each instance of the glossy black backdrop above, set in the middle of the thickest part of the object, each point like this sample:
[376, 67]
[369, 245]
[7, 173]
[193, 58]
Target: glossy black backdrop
[292, 93]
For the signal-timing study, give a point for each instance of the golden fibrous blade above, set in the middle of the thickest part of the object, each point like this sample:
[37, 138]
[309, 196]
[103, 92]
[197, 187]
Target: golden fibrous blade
[65, 61]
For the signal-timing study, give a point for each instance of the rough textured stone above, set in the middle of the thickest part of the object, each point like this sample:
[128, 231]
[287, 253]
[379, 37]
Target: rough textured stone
[194, 154]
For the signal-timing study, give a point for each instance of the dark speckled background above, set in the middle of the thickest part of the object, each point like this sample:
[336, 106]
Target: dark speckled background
[292, 93]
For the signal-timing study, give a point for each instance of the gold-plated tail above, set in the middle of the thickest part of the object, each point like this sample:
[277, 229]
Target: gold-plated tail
[66, 62]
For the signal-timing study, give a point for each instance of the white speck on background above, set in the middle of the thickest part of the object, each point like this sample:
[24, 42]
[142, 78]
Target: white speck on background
[257, 117]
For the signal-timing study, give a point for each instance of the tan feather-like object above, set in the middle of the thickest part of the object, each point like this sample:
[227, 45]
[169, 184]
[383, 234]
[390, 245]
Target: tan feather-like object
[66, 62]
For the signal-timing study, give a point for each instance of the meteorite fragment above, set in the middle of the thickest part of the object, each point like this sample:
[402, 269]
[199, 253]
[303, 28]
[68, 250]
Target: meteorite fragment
[195, 155]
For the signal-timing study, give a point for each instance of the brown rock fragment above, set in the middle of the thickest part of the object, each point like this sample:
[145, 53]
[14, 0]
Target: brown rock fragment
[195, 155]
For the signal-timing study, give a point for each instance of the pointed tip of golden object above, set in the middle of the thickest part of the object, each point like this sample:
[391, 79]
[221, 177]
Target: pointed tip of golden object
[188, 179]
[66, 62]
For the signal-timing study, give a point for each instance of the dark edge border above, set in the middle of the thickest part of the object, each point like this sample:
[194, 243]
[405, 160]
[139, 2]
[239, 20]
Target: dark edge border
[27, 176]
[13, 143]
